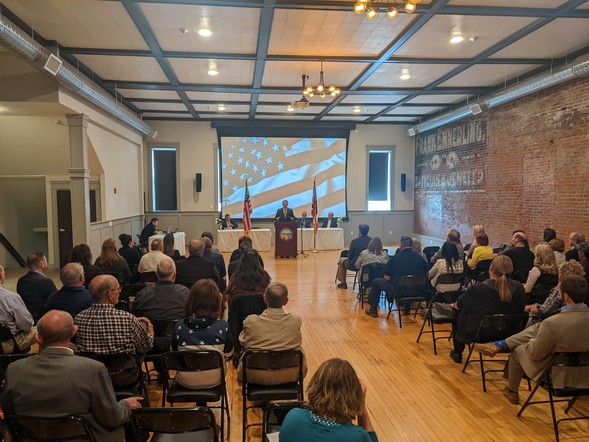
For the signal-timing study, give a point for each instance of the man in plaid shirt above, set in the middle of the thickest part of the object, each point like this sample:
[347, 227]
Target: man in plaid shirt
[104, 330]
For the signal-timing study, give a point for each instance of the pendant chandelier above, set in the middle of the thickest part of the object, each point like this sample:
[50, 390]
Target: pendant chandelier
[371, 8]
[321, 90]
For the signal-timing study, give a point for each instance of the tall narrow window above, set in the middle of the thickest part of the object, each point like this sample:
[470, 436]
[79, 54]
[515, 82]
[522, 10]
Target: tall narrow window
[379, 179]
[163, 179]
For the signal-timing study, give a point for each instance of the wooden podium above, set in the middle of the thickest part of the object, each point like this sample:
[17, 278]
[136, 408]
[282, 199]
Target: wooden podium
[285, 241]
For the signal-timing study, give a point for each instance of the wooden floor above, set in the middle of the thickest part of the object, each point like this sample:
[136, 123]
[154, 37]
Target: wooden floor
[413, 395]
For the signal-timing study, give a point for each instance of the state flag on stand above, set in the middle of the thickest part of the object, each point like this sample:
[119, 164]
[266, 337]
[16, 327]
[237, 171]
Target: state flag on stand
[314, 210]
[247, 211]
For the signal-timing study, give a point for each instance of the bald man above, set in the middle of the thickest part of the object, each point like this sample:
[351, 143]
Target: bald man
[56, 382]
[195, 267]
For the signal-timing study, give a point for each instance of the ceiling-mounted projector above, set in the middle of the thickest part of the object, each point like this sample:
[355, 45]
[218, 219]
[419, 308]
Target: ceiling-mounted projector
[303, 103]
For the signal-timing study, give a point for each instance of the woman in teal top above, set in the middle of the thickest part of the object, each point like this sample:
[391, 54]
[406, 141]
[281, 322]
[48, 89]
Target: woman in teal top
[336, 397]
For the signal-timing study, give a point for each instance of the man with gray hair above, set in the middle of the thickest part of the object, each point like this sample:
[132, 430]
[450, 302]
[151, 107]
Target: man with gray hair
[73, 297]
[274, 329]
[105, 330]
[575, 241]
[217, 258]
[195, 267]
[56, 383]
[150, 260]
[15, 316]
[162, 301]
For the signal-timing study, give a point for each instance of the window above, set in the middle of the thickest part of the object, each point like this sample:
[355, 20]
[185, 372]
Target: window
[163, 178]
[379, 179]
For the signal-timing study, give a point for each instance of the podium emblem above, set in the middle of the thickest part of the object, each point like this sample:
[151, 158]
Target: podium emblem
[286, 234]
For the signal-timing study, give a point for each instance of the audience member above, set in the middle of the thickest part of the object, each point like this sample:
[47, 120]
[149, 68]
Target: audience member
[105, 330]
[57, 383]
[131, 253]
[15, 316]
[454, 238]
[406, 262]
[162, 301]
[201, 329]
[112, 263]
[584, 258]
[150, 260]
[356, 247]
[531, 350]
[150, 229]
[217, 258]
[476, 230]
[450, 263]
[195, 267]
[557, 246]
[81, 253]
[497, 295]
[34, 287]
[548, 235]
[554, 301]
[227, 223]
[483, 251]
[336, 396]
[374, 253]
[575, 240]
[244, 244]
[304, 222]
[521, 256]
[274, 329]
[73, 297]
[209, 235]
[330, 222]
[249, 279]
[417, 248]
[543, 276]
[170, 247]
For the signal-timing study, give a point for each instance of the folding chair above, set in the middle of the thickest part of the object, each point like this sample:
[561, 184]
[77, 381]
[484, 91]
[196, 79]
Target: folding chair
[410, 289]
[50, 428]
[6, 335]
[268, 361]
[274, 415]
[161, 330]
[494, 328]
[344, 254]
[367, 274]
[185, 424]
[560, 361]
[430, 251]
[206, 363]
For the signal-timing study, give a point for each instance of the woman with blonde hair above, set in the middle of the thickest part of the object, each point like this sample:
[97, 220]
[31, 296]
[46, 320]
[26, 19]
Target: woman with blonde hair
[476, 230]
[111, 262]
[335, 397]
[483, 251]
[539, 312]
[544, 275]
[497, 295]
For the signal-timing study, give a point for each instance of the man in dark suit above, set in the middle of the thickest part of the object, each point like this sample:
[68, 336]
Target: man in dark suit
[227, 223]
[195, 267]
[149, 230]
[406, 262]
[217, 258]
[73, 297]
[304, 222]
[285, 214]
[56, 382]
[330, 222]
[34, 287]
[356, 247]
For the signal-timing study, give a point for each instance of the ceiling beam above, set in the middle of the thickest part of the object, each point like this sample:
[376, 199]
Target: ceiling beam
[264, 30]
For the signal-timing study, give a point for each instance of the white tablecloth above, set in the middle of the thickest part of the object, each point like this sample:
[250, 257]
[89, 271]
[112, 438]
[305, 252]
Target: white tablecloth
[261, 239]
[179, 241]
[327, 239]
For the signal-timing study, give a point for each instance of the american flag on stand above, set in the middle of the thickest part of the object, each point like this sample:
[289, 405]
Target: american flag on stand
[314, 209]
[247, 211]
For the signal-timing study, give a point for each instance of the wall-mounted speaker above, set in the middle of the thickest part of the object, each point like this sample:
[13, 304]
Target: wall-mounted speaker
[198, 182]
[403, 182]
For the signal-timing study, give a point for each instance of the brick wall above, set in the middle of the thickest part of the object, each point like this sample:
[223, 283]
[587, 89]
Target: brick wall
[521, 165]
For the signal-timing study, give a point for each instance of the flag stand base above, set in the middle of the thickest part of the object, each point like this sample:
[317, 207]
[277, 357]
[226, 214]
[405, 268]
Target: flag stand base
[315, 251]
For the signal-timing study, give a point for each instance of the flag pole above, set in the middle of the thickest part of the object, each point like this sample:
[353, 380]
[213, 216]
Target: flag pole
[315, 213]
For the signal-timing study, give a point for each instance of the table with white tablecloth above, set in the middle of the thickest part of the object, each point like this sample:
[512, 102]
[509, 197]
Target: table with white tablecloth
[227, 239]
[327, 239]
[179, 241]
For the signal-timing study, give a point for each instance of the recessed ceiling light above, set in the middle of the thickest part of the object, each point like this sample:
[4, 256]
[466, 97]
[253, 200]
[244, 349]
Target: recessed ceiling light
[405, 75]
[290, 108]
[221, 107]
[205, 32]
[212, 69]
[357, 110]
[458, 38]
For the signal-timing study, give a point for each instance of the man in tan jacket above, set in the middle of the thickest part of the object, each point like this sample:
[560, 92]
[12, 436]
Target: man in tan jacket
[274, 329]
[532, 349]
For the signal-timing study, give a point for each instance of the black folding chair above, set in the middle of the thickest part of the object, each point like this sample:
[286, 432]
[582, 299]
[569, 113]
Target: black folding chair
[209, 363]
[495, 328]
[6, 335]
[367, 274]
[161, 330]
[268, 361]
[560, 361]
[186, 424]
[430, 251]
[50, 428]
[274, 415]
[410, 289]
[239, 309]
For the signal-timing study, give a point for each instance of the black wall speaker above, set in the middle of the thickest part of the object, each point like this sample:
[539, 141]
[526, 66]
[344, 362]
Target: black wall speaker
[403, 182]
[198, 182]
